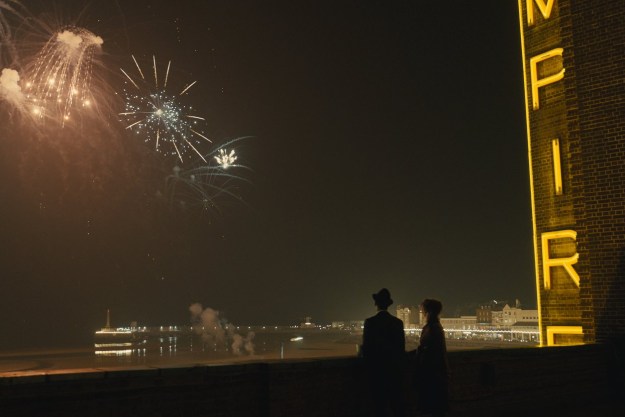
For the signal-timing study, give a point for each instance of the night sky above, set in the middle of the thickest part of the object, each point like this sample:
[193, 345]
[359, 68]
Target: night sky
[388, 149]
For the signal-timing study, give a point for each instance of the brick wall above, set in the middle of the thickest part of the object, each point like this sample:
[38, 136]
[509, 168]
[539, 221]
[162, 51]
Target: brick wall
[511, 382]
[599, 38]
[561, 304]
[586, 112]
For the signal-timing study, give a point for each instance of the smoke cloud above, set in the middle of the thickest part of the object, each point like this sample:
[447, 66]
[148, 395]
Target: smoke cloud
[82, 39]
[70, 39]
[10, 89]
[239, 342]
[96, 40]
[215, 330]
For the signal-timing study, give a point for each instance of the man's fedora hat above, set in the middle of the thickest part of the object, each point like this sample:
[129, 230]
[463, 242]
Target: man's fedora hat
[382, 298]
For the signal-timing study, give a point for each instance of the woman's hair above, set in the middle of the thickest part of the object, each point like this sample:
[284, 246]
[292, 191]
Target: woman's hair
[432, 307]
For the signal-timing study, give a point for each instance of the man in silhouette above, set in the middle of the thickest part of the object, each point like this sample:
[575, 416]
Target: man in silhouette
[383, 350]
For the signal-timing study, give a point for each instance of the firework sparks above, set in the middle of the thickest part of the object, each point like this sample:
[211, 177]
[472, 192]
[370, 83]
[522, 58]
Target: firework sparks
[60, 80]
[6, 39]
[160, 116]
[225, 159]
[10, 90]
[207, 185]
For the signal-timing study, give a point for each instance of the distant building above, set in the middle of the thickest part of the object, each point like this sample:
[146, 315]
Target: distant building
[501, 314]
[499, 320]
[526, 331]
[409, 315]
[307, 324]
[348, 325]
[459, 323]
[513, 315]
[484, 315]
[490, 314]
[497, 317]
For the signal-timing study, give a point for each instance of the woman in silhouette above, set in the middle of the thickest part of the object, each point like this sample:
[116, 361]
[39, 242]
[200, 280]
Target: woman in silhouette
[432, 375]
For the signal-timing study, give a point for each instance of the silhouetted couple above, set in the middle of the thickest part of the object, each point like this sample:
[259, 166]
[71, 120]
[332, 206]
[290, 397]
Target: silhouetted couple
[384, 353]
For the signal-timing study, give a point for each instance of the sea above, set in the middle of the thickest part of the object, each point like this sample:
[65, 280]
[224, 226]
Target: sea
[187, 349]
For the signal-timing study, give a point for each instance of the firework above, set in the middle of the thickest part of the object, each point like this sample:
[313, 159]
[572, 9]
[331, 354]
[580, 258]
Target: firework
[225, 159]
[59, 82]
[160, 116]
[6, 39]
[10, 90]
[207, 185]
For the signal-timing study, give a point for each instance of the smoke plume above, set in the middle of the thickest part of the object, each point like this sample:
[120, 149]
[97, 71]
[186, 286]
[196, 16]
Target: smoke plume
[10, 89]
[70, 39]
[216, 331]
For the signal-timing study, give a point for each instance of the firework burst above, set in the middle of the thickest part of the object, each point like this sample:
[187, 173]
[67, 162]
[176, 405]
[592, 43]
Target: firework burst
[160, 116]
[225, 159]
[59, 82]
[8, 7]
[206, 185]
[10, 90]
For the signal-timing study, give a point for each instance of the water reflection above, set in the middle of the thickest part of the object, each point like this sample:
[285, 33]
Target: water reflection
[169, 347]
[120, 352]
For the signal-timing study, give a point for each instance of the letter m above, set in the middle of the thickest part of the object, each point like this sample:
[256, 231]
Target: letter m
[545, 9]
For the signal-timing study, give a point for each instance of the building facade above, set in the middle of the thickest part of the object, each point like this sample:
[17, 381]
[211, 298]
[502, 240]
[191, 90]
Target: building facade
[503, 316]
[484, 315]
[459, 323]
[513, 315]
[574, 68]
[409, 315]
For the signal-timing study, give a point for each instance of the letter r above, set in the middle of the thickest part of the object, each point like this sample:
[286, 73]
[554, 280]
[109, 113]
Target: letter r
[567, 263]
